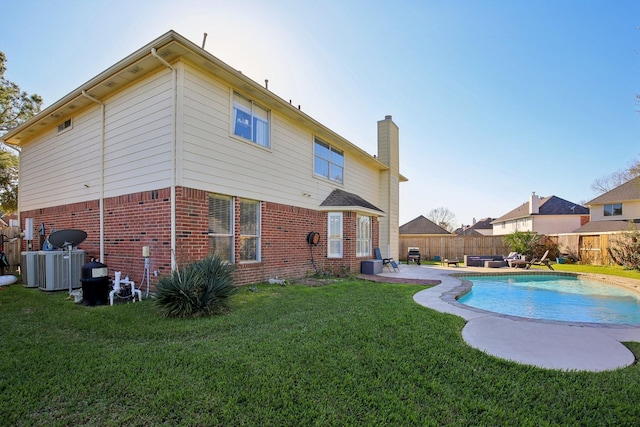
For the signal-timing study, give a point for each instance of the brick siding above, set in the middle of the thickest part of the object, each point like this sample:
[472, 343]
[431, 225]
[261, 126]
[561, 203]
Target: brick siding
[144, 219]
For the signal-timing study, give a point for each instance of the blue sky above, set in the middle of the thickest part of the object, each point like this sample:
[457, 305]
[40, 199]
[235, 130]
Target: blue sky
[494, 99]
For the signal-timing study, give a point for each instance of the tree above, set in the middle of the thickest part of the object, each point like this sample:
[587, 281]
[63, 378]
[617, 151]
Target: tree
[16, 107]
[443, 217]
[8, 181]
[606, 183]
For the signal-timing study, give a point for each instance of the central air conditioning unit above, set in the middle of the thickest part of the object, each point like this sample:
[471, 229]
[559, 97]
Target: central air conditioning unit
[53, 270]
[29, 268]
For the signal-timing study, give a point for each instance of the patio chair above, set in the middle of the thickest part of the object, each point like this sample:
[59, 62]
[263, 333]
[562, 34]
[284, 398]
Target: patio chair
[386, 262]
[542, 261]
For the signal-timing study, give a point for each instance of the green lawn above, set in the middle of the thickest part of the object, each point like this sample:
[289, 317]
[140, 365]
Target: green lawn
[349, 353]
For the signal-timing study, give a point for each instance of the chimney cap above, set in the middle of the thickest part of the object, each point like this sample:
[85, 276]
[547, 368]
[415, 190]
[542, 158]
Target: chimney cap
[387, 117]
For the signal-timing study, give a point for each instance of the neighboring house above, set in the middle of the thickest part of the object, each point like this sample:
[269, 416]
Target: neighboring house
[542, 215]
[613, 211]
[174, 150]
[417, 233]
[422, 227]
[479, 228]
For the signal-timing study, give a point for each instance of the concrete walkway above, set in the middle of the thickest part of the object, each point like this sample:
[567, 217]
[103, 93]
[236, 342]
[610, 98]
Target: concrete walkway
[546, 344]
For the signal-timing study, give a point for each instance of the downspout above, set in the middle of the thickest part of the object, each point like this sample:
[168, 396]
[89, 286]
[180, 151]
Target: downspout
[102, 150]
[174, 78]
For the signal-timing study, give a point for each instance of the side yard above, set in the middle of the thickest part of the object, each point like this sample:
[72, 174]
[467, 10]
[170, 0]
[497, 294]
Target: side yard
[350, 352]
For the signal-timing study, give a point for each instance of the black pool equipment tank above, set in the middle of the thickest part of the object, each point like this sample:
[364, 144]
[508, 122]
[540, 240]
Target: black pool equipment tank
[95, 283]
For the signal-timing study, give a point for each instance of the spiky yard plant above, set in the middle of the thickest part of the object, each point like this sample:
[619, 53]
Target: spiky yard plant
[200, 288]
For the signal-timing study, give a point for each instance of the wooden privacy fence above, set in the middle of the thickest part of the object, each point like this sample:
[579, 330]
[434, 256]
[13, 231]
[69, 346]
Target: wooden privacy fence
[454, 247]
[12, 246]
[589, 249]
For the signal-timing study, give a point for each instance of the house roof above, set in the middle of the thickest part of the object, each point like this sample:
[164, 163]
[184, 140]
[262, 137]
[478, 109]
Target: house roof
[483, 224]
[342, 199]
[167, 50]
[551, 205]
[605, 226]
[422, 225]
[630, 190]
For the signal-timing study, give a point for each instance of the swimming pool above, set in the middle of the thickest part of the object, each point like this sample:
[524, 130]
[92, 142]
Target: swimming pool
[549, 297]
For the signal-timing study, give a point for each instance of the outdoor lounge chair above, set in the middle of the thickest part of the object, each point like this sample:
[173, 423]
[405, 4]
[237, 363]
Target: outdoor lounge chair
[542, 261]
[386, 262]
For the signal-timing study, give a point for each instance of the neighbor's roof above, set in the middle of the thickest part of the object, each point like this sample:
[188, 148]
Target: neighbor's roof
[551, 205]
[630, 190]
[483, 224]
[422, 225]
[605, 226]
[170, 48]
[340, 199]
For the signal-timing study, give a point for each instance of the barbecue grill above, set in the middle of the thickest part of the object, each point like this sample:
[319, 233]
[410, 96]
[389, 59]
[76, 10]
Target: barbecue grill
[413, 255]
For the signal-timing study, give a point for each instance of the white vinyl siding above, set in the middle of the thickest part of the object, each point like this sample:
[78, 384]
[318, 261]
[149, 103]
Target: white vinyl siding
[57, 168]
[334, 233]
[214, 161]
[139, 137]
[61, 168]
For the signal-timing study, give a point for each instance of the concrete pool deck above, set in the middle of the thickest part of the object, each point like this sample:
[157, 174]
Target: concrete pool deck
[546, 344]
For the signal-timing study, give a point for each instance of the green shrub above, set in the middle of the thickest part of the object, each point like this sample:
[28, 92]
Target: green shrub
[625, 248]
[201, 288]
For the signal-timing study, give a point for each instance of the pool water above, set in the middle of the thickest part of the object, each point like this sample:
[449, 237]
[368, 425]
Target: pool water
[563, 298]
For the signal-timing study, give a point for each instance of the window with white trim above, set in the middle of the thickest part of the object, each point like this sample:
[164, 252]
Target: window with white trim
[221, 226]
[328, 161]
[250, 121]
[334, 244]
[614, 209]
[249, 230]
[363, 236]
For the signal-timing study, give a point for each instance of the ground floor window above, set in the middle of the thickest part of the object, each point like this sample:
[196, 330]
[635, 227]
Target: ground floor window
[249, 230]
[221, 226]
[334, 247]
[363, 236]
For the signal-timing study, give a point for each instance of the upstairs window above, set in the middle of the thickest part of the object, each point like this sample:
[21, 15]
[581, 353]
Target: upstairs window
[328, 162]
[614, 209]
[250, 121]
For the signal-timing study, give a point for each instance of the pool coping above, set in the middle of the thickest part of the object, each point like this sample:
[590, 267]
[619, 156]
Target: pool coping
[564, 346]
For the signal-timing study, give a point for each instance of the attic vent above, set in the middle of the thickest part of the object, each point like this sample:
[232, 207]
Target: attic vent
[64, 125]
[110, 84]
